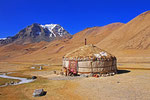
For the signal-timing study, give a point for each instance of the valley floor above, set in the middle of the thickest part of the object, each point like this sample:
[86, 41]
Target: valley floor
[131, 83]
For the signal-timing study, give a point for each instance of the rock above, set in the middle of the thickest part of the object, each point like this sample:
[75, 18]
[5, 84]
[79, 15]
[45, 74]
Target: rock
[54, 72]
[111, 74]
[61, 73]
[84, 75]
[40, 68]
[104, 75]
[5, 74]
[91, 75]
[12, 82]
[17, 82]
[32, 67]
[6, 84]
[39, 92]
[34, 77]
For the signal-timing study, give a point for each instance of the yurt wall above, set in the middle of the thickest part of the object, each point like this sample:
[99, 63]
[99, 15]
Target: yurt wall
[66, 63]
[103, 66]
[84, 66]
[95, 66]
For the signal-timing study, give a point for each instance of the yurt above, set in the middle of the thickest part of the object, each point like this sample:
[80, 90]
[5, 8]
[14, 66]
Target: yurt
[90, 59]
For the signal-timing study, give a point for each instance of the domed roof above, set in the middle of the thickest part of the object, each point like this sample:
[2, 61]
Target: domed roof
[88, 51]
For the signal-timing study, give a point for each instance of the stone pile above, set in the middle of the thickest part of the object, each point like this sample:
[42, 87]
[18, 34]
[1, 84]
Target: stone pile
[39, 92]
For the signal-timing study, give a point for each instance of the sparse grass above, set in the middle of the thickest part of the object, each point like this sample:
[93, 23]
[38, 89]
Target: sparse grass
[7, 80]
[55, 89]
[25, 73]
[1, 73]
[45, 68]
[20, 74]
[134, 66]
[25, 91]
[74, 90]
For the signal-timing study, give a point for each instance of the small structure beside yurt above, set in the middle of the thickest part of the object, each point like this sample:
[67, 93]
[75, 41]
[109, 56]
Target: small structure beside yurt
[90, 59]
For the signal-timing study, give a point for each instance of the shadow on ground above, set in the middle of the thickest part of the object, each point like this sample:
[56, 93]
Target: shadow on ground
[44, 93]
[123, 71]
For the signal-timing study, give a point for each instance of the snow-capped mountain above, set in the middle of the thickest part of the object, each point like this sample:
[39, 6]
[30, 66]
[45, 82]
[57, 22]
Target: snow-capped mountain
[3, 38]
[37, 33]
[55, 30]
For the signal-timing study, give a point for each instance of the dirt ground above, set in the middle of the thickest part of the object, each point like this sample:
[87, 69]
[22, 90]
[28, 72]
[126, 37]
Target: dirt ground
[131, 83]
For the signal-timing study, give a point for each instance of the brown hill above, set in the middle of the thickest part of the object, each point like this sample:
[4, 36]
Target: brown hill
[11, 51]
[45, 52]
[129, 42]
[95, 34]
[133, 35]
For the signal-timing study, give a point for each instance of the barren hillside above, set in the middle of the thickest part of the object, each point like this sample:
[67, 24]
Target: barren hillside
[129, 42]
[133, 35]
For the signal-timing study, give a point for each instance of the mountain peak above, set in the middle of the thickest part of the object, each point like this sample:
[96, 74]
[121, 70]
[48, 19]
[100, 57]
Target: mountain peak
[55, 29]
[37, 33]
[49, 25]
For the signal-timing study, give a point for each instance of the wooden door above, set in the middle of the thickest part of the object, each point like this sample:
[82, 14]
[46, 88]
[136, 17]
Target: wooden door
[73, 66]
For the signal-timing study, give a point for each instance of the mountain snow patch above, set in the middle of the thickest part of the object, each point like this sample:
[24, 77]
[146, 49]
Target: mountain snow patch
[3, 38]
[53, 28]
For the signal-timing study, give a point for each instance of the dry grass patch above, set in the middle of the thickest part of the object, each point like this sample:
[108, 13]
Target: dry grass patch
[20, 74]
[6, 80]
[56, 90]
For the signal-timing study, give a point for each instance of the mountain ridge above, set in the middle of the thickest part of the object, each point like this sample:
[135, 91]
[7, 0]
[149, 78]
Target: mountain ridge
[121, 37]
[36, 33]
[129, 42]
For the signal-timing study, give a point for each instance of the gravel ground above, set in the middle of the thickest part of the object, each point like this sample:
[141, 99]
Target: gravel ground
[51, 76]
[134, 85]
[65, 78]
[129, 84]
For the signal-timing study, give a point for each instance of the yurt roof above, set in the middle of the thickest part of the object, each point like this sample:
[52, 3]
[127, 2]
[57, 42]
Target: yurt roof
[89, 51]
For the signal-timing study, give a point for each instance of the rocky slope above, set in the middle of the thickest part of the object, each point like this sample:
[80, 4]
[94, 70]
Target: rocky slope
[36, 33]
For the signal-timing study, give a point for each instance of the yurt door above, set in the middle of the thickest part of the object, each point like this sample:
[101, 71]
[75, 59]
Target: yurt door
[73, 66]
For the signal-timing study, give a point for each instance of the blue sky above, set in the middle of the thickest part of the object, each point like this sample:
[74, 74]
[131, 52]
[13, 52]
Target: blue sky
[73, 15]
